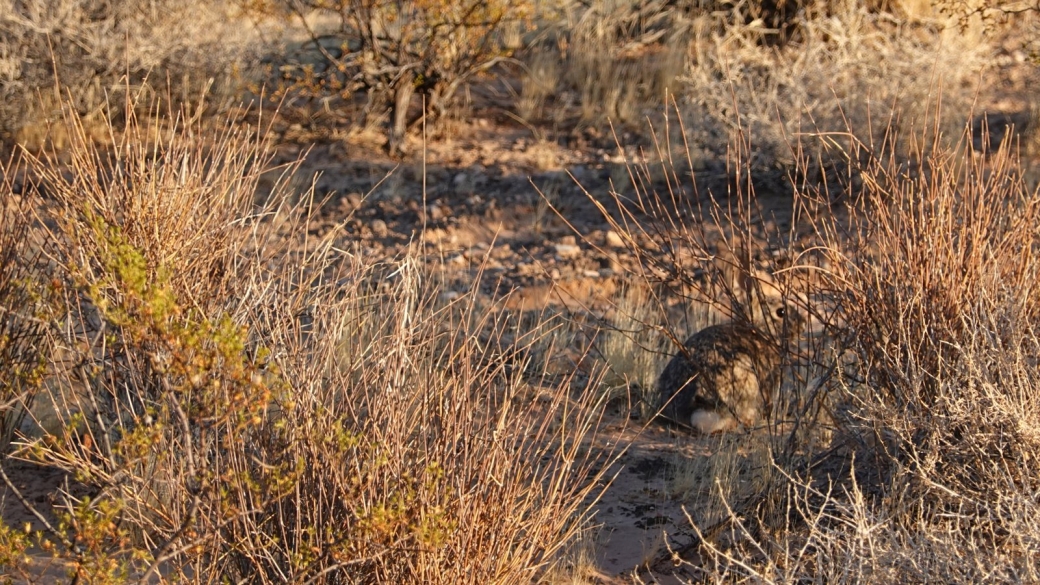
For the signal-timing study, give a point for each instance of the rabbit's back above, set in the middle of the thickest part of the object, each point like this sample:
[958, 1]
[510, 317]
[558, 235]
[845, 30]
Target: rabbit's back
[725, 375]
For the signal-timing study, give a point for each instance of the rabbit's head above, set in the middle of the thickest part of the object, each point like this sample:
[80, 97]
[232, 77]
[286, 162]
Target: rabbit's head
[784, 315]
[772, 306]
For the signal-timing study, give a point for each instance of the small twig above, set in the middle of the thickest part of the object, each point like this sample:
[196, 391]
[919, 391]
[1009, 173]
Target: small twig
[351, 562]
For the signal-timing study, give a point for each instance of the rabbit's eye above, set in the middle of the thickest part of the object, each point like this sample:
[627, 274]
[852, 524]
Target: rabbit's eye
[781, 313]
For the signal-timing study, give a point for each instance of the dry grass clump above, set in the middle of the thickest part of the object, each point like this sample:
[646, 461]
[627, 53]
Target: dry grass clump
[850, 66]
[904, 445]
[932, 471]
[25, 307]
[940, 291]
[932, 474]
[189, 49]
[740, 64]
[630, 345]
[234, 399]
[622, 56]
[738, 466]
[609, 60]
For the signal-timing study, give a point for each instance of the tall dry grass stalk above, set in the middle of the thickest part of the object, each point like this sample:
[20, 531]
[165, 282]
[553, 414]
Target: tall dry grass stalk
[237, 399]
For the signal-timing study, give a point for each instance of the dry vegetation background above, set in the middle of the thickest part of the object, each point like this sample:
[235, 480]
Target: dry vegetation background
[206, 376]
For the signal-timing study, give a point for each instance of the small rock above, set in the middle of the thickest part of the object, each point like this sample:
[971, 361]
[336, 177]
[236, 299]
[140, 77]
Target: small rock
[352, 201]
[567, 251]
[591, 273]
[379, 228]
[435, 212]
[502, 252]
[613, 240]
[568, 240]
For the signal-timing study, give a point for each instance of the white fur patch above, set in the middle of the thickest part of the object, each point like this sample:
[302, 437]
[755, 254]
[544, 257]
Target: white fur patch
[709, 421]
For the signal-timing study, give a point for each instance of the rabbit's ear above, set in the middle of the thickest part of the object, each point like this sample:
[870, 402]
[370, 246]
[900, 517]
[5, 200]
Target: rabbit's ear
[743, 282]
[743, 285]
[769, 287]
[751, 282]
[767, 299]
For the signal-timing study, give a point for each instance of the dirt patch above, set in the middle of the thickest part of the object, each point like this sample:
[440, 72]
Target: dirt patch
[641, 517]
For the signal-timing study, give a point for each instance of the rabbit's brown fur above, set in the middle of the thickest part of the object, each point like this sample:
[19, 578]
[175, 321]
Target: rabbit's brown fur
[724, 376]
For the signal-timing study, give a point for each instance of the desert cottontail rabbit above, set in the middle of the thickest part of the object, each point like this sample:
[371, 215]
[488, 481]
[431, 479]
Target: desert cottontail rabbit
[725, 375]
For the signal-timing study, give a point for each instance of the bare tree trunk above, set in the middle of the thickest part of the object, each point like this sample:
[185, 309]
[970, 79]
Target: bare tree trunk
[399, 115]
